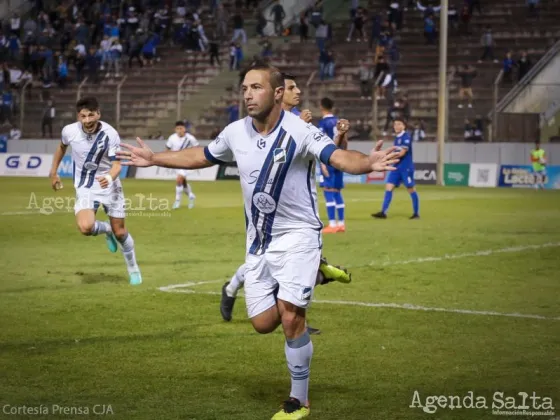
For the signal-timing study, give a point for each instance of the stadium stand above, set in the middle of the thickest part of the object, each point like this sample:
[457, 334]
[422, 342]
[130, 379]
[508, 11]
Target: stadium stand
[149, 95]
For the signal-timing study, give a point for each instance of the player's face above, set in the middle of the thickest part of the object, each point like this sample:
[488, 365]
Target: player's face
[398, 126]
[89, 119]
[258, 94]
[291, 93]
[180, 130]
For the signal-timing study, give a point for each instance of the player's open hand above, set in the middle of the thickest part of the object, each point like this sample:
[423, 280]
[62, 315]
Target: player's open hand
[306, 115]
[55, 183]
[383, 160]
[136, 156]
[343, 126]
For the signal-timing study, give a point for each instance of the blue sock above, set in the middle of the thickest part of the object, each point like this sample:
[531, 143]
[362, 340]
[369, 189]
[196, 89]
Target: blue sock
[415, 202]
[387, 201]
[339, 207]
[329, 198]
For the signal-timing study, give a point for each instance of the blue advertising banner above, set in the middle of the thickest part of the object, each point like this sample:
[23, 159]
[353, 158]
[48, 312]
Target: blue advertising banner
[522, 176]
[66, 168]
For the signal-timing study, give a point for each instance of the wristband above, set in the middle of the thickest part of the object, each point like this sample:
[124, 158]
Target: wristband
[109, 178]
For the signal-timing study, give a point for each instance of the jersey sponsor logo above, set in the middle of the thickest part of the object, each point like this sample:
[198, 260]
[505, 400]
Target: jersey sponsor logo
[90, 166]
[264, 202]
[318, 136]
[279, 155]
[254, 176]
[261, 144]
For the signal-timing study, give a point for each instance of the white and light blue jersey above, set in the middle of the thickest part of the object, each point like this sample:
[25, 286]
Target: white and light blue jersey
[277, 174]
[92, 154]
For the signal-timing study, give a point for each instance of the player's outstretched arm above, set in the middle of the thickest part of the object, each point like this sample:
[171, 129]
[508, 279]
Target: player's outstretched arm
[357, 163]
[142, 156]
[57, 158]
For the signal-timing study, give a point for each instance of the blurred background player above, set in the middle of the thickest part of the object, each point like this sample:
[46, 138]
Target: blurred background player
[404, 173]
[96, 179]
[333, 179]
[327, 273]
[292, 98]
[178, 141]
[538, 160]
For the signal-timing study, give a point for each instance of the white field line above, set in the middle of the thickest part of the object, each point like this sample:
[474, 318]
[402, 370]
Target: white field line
[483, 253]
[188, 288]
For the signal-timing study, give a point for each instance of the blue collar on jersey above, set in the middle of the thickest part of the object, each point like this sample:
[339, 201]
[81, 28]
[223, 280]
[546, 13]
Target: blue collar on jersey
[275, 127]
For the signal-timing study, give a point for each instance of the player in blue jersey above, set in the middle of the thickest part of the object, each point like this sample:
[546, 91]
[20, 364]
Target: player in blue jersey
[333, 181]
[283, 243]
[404, 173]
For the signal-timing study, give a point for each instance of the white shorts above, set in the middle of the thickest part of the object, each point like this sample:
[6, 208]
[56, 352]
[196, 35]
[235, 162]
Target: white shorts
[182, 172]
[112, 200]
[291, 262]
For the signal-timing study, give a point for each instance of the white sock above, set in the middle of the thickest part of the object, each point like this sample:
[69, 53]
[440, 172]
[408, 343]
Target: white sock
[341, 223]
[332, 223]
[100, 228]
[299, 352]
[127, 248]
[236, 282]
[178, 193]
[188, 191]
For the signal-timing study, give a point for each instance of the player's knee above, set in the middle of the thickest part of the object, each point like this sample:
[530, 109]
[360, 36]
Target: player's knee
[120, 232]
[85, 227]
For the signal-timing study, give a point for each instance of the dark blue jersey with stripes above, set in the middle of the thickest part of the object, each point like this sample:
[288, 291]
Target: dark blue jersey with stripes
[277, 174]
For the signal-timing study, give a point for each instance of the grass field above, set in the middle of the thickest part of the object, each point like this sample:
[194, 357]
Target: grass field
[75, 334]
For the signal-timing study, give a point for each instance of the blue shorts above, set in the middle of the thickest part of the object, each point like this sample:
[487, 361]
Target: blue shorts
[334, 181]
[404, 176]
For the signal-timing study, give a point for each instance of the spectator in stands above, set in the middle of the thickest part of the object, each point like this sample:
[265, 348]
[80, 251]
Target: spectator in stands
[478, 134]
[487, 42]
[507, 67]
[430, 31]
[375, 30]
[467, 74]
[233, 63]
[393, 56]
[62, 72]
[468, 132]
[365, 74]
[465, 20]
[115, 61]
[278, 16]
[266, 47]
[427, 10]
[14, 47]
[214, 50]
[453, 17]
[533, 6]
[15, 25]
[303, 27]
[382, 44]
[238, 30]
[317, 15]
[357, 25]
[15, 133]
[326, 64]
[233, 111]
[418, 133]
[92, 64]
[135, 46]
[395, 15]
[523, 65]
[381, 73]
[472, 4]
[322, 35]
[49, 114]
[149, 49]
[7, 105]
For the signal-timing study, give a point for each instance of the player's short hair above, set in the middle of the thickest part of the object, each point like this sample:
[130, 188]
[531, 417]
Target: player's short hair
[401, 119]
[327, 104]
[275, 75]
[180, 123]
[288, 76]
[89, 102]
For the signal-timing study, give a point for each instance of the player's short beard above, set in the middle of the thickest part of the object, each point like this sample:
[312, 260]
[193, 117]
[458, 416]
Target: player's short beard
[263, 114]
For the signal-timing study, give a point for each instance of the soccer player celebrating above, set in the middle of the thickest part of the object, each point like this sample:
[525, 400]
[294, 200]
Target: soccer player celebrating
[333, 179]
[178, 141]
[538, 160]
[404, 173]
[283, 227]
[96, 179]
